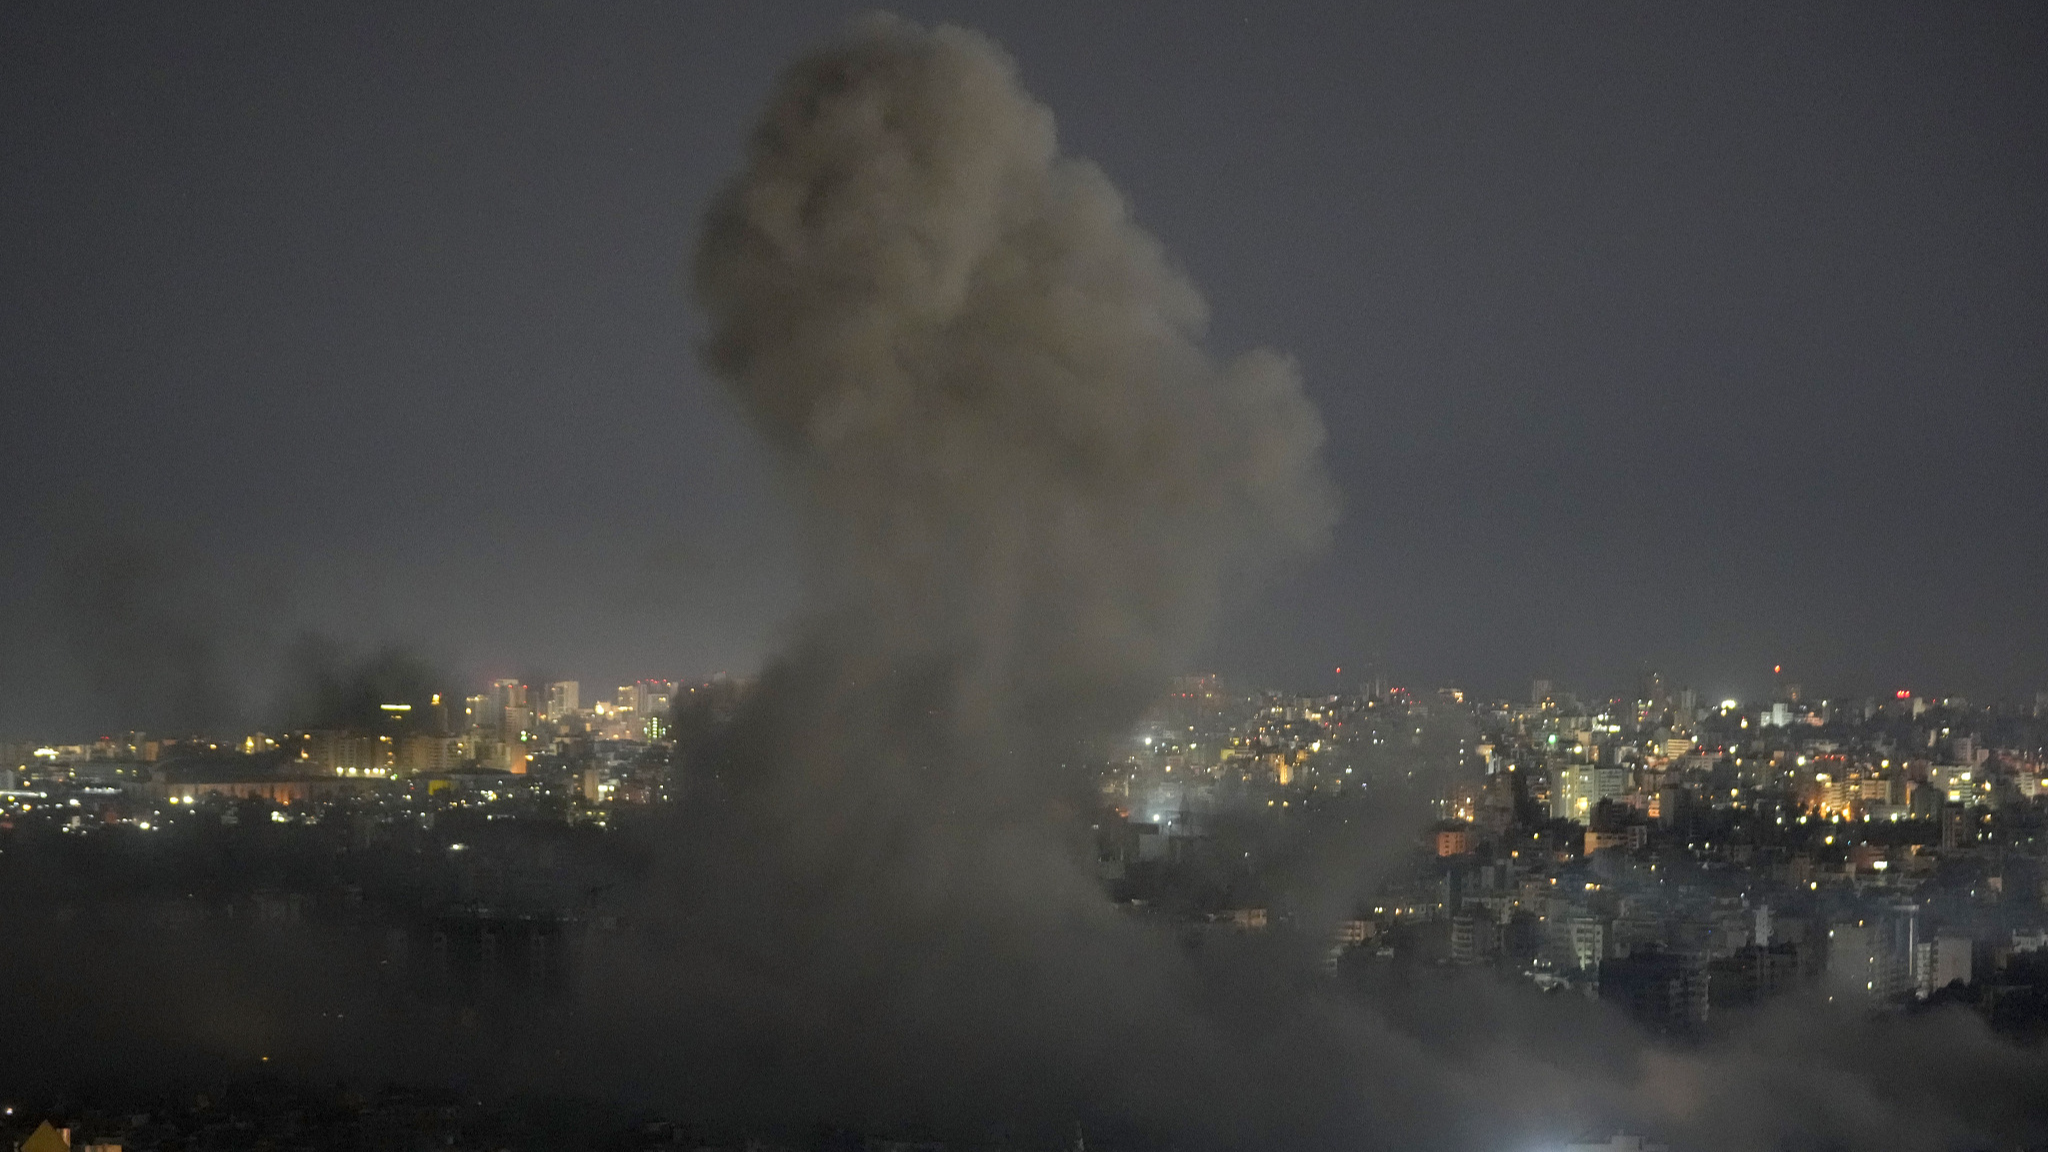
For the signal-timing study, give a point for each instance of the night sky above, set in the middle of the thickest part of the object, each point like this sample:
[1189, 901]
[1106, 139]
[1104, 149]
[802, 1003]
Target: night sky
[1698, 339]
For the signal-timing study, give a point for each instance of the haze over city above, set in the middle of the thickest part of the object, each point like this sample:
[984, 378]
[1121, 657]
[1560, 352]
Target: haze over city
[1021, 575]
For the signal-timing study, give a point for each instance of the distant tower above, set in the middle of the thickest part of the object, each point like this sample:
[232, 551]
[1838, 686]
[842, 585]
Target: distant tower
[1651, 690]
[656, 696]
[564, 699]
[508, 694]
[1956, 831]
[479, 715]
[510, 711]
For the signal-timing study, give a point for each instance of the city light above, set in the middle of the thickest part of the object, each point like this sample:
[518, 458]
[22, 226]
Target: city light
[847, 461]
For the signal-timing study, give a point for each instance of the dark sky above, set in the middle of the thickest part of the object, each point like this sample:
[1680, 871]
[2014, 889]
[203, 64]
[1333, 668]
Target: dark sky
[1690, 337]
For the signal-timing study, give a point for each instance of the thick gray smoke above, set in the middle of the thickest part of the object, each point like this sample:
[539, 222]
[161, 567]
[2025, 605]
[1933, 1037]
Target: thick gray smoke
[1024, 473]
[1028, 486]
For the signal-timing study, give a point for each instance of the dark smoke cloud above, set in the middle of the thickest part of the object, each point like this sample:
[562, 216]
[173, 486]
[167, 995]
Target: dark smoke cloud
[327, 685]
[1028, 486]
[142, 632]
[1027, 482]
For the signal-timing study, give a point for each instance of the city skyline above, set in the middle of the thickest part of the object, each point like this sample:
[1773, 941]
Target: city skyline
[1157, 576]
[1678, 869]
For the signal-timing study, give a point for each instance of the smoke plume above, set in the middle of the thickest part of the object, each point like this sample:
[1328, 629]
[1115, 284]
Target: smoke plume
[150, 641]
[1027, 482]
[1027, 487]
[328, 686]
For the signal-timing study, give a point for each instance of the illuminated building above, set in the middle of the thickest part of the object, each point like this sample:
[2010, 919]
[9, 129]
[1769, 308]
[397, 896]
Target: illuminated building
[425, 753]
[1453, 840]
[563, 700]
[654, 696]
[504, 755]
[477, 711]
[189, 781]
[344, 753]
[508, 694]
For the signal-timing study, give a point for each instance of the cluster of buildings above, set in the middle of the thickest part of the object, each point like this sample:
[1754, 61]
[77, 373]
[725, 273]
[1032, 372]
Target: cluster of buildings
[509, 741]
[1677, 858]
[1673, 855]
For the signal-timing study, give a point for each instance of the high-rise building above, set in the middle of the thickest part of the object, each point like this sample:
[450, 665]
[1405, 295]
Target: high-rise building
[1576, 788]
[1475, 935]
[1871, 958]
[1586, 938]
[426, 753]
[344, 753]
[1957, 831]
[1753, 974]
[564, 698]
[508, 694]
[1651, 690]
[479, 716]
[1939, 962]
[1667, 991]
[512, 713]
[656, 696]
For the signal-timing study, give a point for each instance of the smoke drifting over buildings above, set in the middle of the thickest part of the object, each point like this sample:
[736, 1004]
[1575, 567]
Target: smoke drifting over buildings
[1028, 486]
